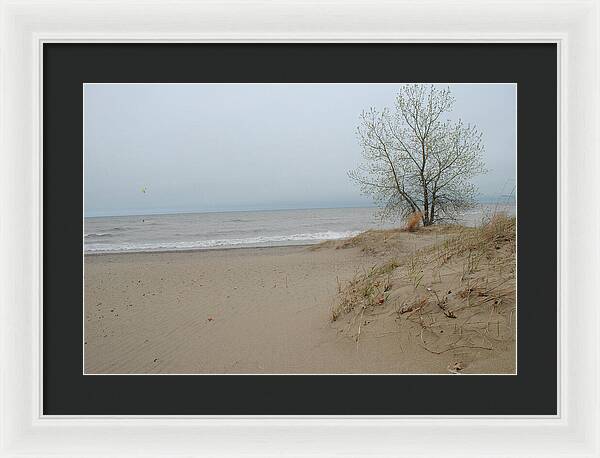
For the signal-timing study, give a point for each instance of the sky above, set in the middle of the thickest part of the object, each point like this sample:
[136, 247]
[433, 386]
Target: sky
[163, 148]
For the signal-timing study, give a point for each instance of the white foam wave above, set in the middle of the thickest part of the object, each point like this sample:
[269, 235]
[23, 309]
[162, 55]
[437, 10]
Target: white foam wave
[98, 234]
[311, 237]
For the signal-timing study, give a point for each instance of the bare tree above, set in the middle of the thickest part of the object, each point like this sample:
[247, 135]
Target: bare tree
[416, 161]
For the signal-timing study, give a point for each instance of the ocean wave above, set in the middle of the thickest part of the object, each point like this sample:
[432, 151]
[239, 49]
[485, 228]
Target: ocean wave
[107, 232]
[98, 234]
[273, 240]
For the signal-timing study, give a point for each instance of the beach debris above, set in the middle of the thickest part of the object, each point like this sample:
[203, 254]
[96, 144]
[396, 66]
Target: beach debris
[210, 318]
[413, 307]
[442, 303]
[405, 308]
[449, 314]
[456, 368]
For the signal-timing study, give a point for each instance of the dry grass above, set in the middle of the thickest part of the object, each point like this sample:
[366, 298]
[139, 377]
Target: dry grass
[499, 232]
[366, 290]
[413, 221]
[372, 242]
[387, 243]
[456, 292]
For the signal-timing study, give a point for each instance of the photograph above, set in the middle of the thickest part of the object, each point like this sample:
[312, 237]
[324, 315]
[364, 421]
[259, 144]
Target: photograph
[300, 228]
[270, 229]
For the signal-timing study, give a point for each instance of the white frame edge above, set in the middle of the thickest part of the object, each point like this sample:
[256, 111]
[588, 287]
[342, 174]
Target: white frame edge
[26, 25]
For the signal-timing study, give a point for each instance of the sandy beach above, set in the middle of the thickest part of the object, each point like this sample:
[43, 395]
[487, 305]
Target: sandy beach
[269, 311]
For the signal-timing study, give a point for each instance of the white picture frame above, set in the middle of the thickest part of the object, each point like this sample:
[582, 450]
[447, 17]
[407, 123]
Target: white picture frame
[26, 25]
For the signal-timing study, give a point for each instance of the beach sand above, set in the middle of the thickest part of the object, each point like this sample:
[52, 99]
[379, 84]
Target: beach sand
[251, 311]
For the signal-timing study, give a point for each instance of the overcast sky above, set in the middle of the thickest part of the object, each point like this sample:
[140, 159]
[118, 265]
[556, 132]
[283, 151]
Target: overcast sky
[220, 147]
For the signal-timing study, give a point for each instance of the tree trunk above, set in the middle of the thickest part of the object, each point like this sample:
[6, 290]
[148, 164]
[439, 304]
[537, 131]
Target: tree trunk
[432, 215]
[426, 221]
[425, 217]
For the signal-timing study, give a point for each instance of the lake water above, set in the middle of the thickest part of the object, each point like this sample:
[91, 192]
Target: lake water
[192, 231]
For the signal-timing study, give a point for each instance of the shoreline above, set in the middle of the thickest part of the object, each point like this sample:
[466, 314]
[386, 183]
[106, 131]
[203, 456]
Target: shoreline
[117, 235]
[195, 250]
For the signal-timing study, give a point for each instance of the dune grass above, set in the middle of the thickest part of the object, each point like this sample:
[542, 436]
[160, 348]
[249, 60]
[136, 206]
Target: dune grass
[451, 293]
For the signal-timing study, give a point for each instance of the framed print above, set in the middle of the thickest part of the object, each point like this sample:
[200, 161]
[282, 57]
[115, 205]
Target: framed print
[276, 277]
[225, 238]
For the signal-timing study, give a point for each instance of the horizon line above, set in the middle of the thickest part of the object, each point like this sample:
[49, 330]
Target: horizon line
[257, 209]
[486, 200]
